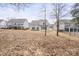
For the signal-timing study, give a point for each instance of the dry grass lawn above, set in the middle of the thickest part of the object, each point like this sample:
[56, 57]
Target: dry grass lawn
[34, 43]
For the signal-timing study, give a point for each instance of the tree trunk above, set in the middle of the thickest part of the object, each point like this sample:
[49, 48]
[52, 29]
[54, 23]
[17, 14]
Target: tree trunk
[45, 22]
[45, 31]
[57, 27]
[45, 28]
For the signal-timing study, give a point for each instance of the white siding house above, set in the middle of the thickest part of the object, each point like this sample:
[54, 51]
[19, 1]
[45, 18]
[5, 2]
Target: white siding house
[26, 24]
[18, 23]
[39, 25]
[2, 23]
[62, 24]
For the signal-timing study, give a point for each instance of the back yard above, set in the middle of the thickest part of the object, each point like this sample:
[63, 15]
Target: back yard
[33, 43]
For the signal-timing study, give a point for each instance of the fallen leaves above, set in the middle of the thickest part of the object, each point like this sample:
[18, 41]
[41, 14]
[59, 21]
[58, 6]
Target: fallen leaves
[26, 43]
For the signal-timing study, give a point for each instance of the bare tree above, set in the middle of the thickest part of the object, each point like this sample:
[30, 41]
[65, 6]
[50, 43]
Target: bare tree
[58, 12]
[16, 6]
[45, 20]
[20, 6]
[43, 13]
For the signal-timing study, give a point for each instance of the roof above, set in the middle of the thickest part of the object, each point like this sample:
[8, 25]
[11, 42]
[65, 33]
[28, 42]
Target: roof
[69, 23]
[17, 20]
[66, 22]
[35, 22]
[1, 20]
[38, 22]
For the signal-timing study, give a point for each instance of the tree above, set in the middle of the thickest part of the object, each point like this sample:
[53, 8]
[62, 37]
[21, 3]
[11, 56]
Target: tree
[43, 13]
[58, 11]
[75, 13]
[20, 6]
[45, 21]
[16, 6]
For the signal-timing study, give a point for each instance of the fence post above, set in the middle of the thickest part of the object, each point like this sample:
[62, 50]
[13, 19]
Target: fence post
[73, 31]
[77, 30]
[69, 31]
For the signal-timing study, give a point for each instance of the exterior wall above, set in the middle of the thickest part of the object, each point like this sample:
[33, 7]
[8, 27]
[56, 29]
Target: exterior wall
[61, 27]
[55, 27]
[11, 25]
[26, 25]
[35, 27]
[40, 28]
[43, 27]
[48, 27]
[3, 24]
[40, 24]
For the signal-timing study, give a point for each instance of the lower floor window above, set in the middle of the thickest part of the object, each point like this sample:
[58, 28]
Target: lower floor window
[37, 28]
[33, 28]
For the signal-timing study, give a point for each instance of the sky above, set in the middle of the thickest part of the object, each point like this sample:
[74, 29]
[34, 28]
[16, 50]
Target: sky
[33, 12]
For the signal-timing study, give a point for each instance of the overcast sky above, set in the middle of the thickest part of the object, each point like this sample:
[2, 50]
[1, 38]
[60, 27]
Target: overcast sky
[33, 12]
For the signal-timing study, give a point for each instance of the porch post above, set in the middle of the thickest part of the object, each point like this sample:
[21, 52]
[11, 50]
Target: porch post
[69, 31]
[77, 30]
[73, 30]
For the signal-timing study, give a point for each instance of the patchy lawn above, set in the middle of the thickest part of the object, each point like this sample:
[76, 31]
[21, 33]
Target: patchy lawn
[26, 43]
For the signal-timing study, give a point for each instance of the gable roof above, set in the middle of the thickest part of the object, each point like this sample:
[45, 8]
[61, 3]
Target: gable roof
[65, 22]
[38, 22]
[17, 21]
[1, 20]
[35, 22]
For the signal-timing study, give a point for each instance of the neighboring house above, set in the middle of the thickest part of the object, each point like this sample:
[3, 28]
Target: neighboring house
[2, 23]
[51, 26]
[18, 23]
[63, 24]
[72, 27]
[39, 25]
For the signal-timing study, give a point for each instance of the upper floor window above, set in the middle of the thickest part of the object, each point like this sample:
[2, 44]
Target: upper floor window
[43, 23]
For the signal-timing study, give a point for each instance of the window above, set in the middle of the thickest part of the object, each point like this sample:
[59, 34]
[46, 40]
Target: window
[37, 28]
[14, 23]
[43, 23]
[33, 28]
